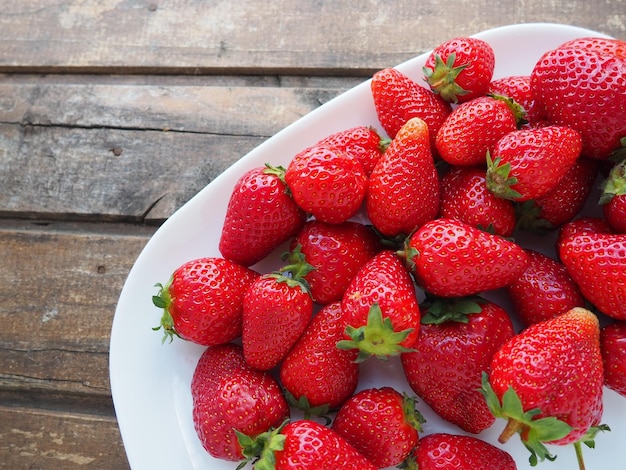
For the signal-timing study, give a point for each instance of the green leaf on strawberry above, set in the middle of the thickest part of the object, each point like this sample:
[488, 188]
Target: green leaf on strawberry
[376, 338]
[498, 179]
[163, 300]
[533, 431]
[440, 310]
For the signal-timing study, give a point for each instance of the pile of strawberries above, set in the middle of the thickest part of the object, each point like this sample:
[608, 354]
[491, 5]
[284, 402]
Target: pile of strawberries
[463, 165]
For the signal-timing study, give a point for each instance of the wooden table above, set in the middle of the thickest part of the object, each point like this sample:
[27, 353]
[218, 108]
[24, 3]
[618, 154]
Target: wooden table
[113, 114]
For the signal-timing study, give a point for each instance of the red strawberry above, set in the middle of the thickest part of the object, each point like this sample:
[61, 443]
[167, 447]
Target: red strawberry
[613, 346]
[260, 216]
[563, 202]
[277, 308]
[337, 252]
[229, 397]
[613, 197]
[456, 343]
[381, 423]
[362, 143]
[202, 302]
[443, 451]
[460, 69]
[305, 444]
[380, 308]
[596, 260]
[317, 373]
[473, 128]
[398, 98]
[544, 290]
[517, 87]
[327, 183]
[582, 85]
[547, 382]
[452, 259]
[403, 189]
[528, 163]
[465, 197]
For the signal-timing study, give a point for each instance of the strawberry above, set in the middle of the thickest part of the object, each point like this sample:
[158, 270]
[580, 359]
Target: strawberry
[317, 374]
[465, 197]
[452, 259]
[277, 308]
[547, 382]
[517, 87]
[381, 423]
[337, 252]
[202, 301]
[443, 451]
[582, 85]
[544, 290]
[301, 445]
[473, 128]
[596, 260]
[403, 189]
[457, 340]
[260, 216]
[528, 163]
[460, 69]
[230, 396]
[613, 198]
[363, 143]
[613, 347]
[327, 183]
[561, 204]
[380, 309]
[397, 98]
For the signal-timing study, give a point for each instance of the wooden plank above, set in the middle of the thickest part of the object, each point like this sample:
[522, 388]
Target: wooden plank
[299, 36]
[45, 439]
[60, 285]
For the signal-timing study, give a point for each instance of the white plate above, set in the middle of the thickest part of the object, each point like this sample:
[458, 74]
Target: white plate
[150, 382]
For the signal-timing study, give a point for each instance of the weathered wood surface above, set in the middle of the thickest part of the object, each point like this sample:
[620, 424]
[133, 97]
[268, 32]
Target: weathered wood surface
[113, 113]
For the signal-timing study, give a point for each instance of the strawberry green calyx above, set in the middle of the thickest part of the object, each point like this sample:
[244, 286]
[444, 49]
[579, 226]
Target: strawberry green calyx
[411, 414]
[163, 300]
[260, 449]
[517, 109]
[376, 338]
[308, 411]
[438, 311]
[614, 184]
[533, 431]
[294, 273]
[498, 179]
[442, 78]
[589, 440]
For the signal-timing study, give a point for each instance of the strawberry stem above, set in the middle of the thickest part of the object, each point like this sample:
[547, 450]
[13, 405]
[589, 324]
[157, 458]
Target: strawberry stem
[512, 427]
[579, 455]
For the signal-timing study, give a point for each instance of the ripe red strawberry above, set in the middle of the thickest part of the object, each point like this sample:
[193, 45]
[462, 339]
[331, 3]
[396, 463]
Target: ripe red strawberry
[230, 396]
[582, 85]
[613, 347]
[547, 382]
[613, 198]
[403, 189]
[277, 308]
[544, 290]
[398, 98]
[327, 183]
[473, 128]
[596, 260]
[380, 308]
[337, 252]
[460, 69]
[528, 163]
[315, 372]
[362, 142]
[443, 451]
[452, 259]
[381, 423]
[517, 87]
[202, 301]
[609, 46]
[563, 202]
[456, 343]
[260, 216]
[305, 444]
[465, 197]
